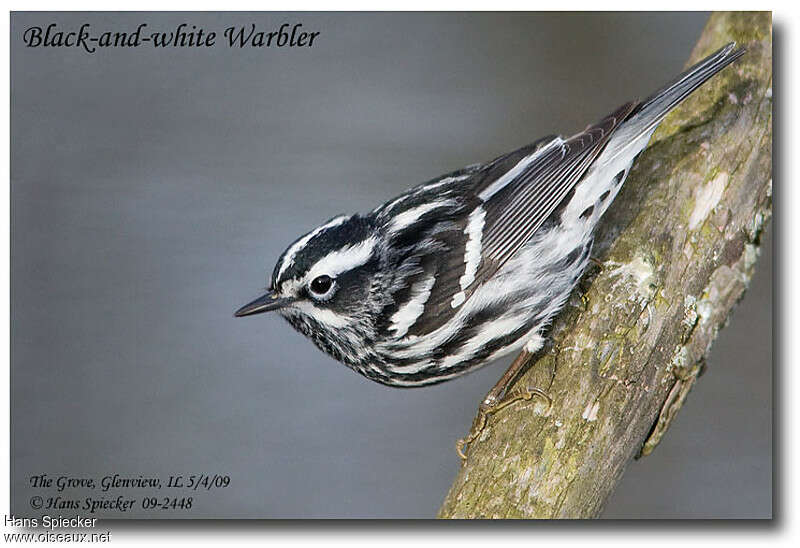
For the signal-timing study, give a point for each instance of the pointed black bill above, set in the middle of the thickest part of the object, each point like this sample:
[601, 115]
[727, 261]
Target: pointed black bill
[265, 303]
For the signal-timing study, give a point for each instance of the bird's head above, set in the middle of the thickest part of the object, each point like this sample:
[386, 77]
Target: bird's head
[322, 282]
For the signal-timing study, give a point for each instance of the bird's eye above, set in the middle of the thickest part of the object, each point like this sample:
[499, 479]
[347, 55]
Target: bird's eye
[321, 285]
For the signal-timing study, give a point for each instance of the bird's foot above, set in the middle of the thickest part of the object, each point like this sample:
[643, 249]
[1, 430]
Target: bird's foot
[490, 406]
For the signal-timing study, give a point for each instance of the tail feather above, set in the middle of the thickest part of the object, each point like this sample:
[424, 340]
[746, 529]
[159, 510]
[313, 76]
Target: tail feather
[657, 106]
[649, 113]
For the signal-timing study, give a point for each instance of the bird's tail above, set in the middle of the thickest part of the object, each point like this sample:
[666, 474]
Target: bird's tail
[650, 112]
[656, 107]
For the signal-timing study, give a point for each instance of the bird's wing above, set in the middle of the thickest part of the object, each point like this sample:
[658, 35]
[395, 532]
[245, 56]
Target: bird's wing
[518, 201]
[472, 228]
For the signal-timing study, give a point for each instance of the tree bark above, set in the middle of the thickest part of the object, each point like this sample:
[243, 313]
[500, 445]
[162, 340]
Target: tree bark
[678, 248]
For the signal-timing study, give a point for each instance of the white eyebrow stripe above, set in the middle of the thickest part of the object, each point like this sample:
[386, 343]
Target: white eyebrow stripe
[515, 171]
[410, 312]
[343, 260]
[291, 253]
[408, 217]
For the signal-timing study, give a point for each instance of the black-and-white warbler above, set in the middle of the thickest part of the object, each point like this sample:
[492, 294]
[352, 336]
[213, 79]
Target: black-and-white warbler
[471, 265]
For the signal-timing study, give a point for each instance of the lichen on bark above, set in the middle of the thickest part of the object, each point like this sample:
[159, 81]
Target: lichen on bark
[678, 248]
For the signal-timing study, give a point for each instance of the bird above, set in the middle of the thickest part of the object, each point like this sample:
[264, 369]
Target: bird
[472, 265]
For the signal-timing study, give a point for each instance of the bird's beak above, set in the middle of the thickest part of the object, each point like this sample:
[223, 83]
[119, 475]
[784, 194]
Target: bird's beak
[265, 303]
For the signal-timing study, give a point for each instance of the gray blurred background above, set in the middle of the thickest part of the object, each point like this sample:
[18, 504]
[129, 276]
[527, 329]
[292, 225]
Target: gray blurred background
[152, 191]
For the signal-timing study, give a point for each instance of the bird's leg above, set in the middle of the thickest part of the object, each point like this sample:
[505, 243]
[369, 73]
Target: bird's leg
[494, 400]
[597, 262]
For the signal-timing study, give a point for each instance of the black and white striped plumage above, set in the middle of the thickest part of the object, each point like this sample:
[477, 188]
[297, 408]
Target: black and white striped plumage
[469, 266]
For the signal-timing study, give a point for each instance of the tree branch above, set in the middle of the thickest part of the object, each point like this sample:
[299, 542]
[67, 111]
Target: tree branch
[679, 247]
